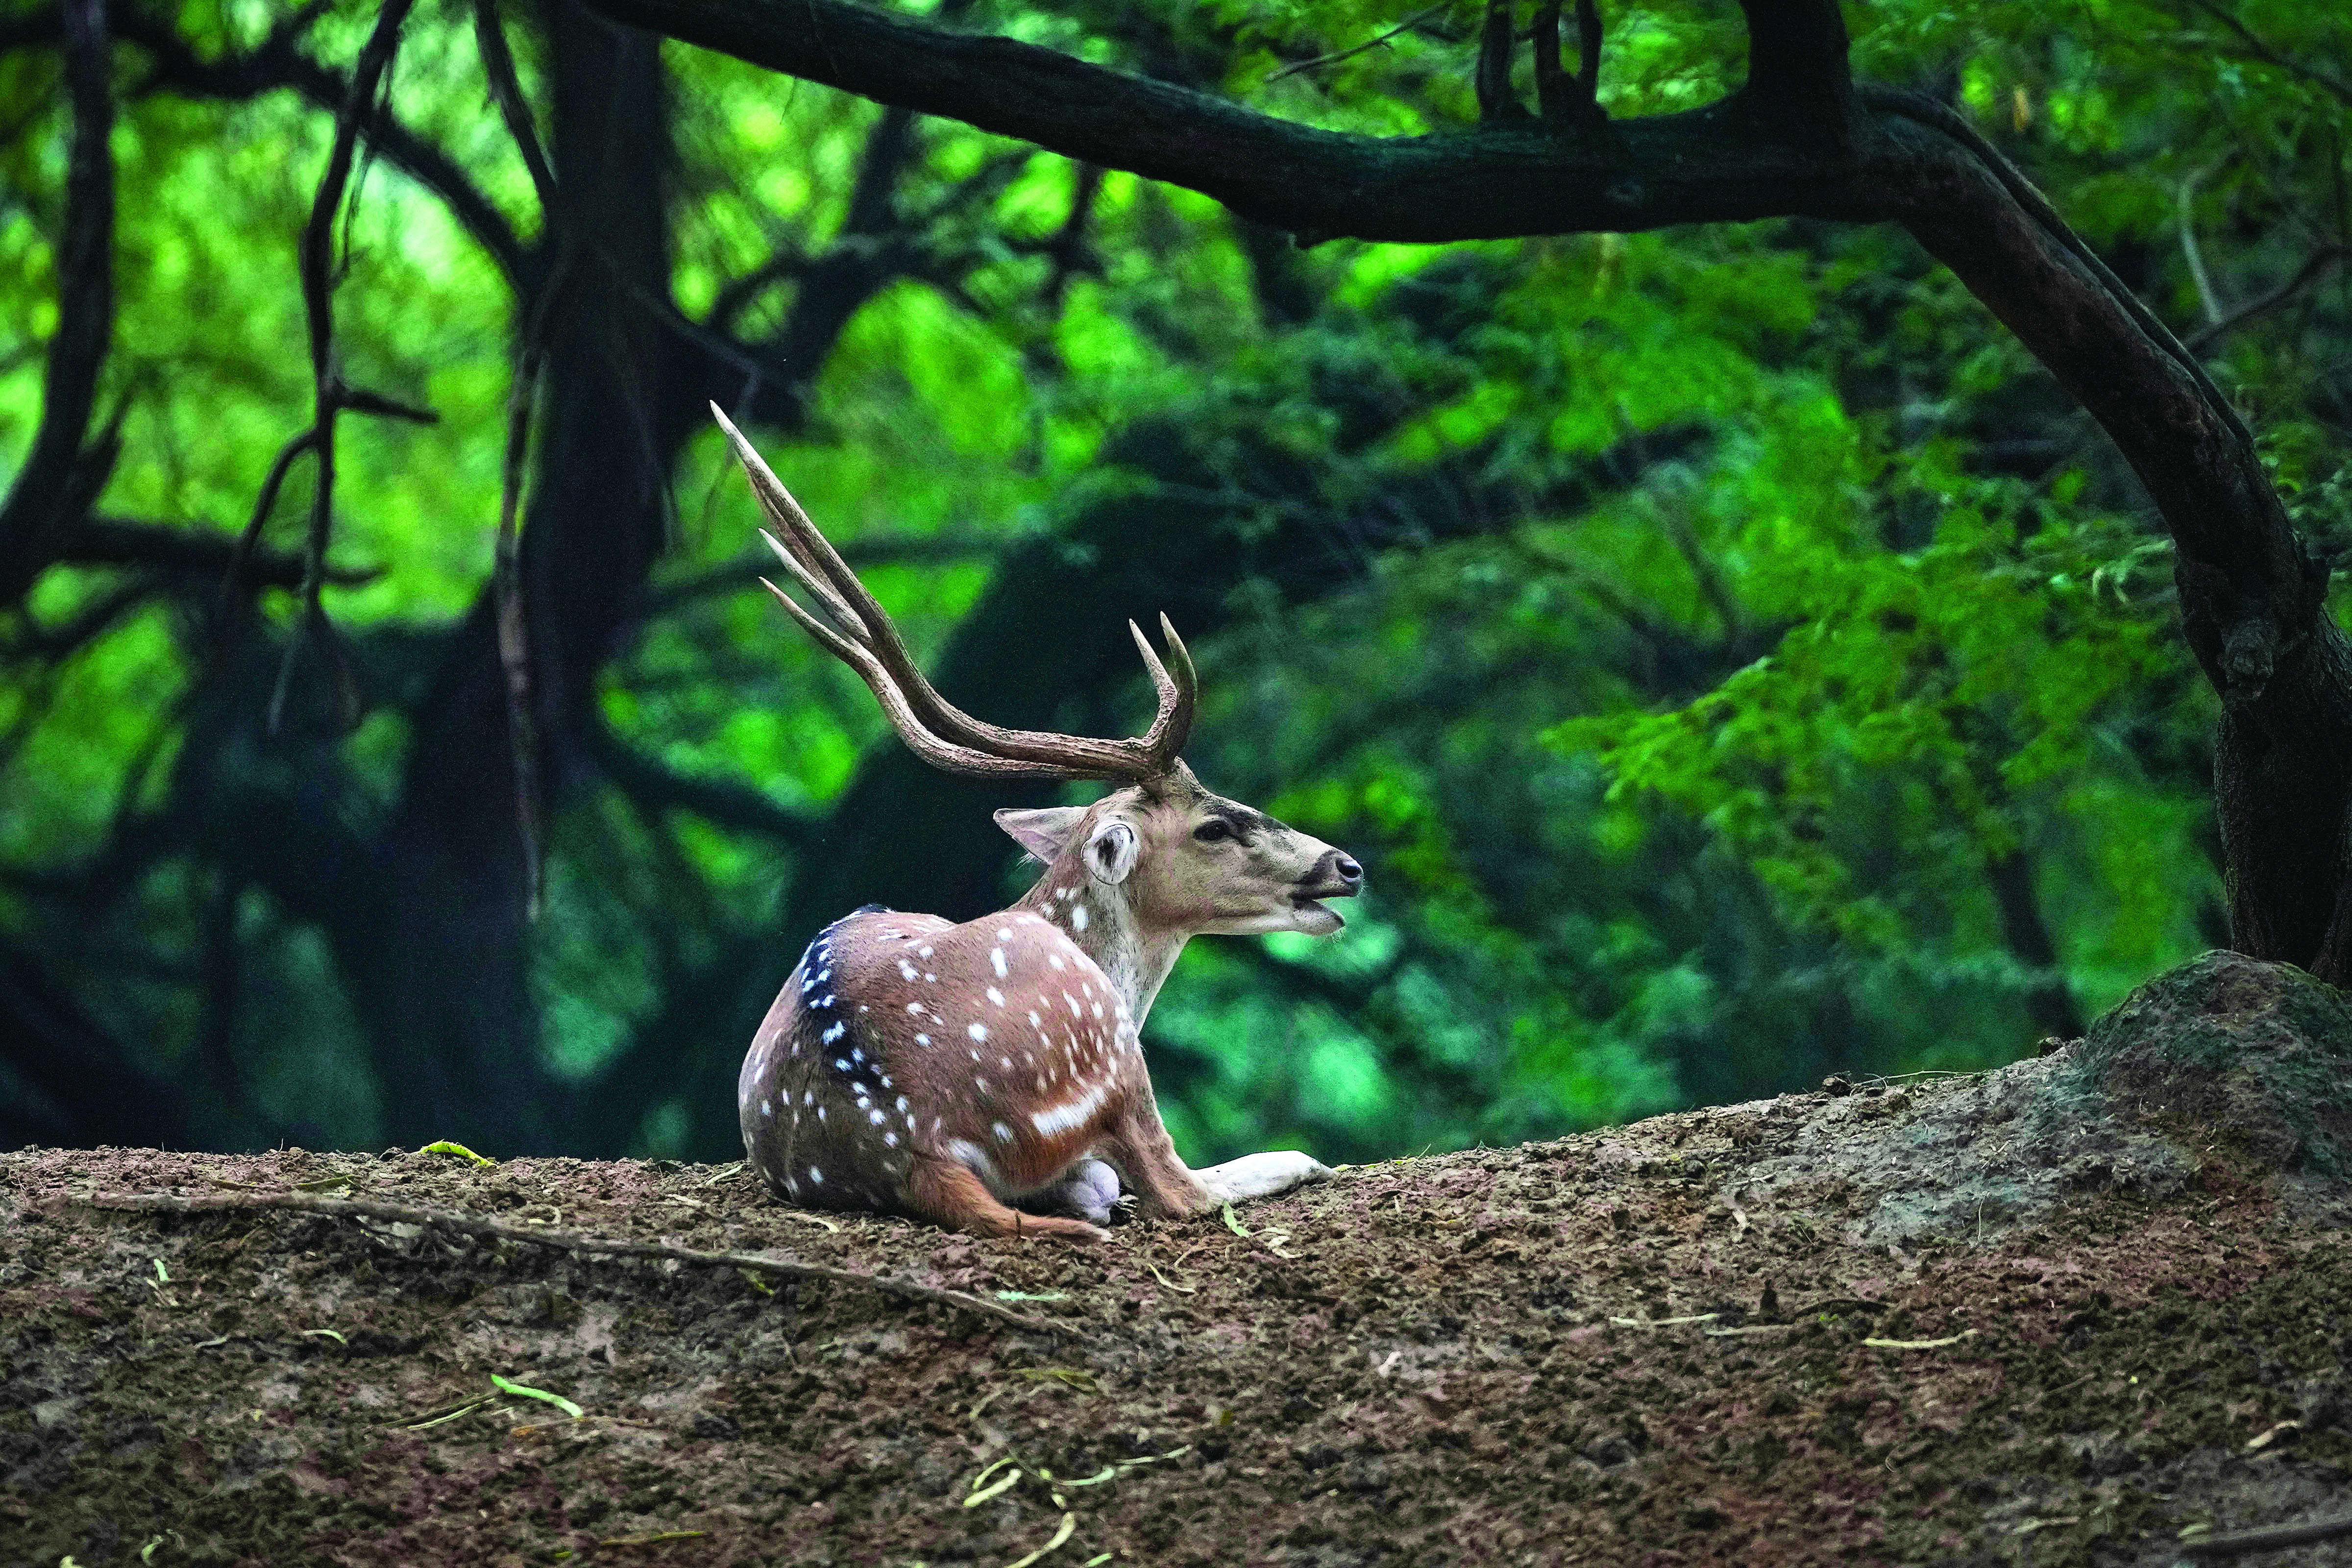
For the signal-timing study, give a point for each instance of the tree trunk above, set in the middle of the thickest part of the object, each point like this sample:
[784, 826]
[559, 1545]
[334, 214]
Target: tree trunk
[456, 1029]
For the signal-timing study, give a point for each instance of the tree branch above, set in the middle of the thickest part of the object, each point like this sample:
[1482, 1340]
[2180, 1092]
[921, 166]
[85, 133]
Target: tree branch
[2268, 55]
[1374, 42]
[498, 63]
[124, 542]
[660, 789]
[60, 477]
[1723, 163]
[329, 395]
[278, 63]
[2315, 267]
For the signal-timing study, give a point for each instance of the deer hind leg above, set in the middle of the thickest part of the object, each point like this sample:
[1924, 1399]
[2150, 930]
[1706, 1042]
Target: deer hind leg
[948, 1194]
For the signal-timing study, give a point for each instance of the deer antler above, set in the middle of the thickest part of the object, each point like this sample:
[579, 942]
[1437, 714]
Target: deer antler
[862, 637]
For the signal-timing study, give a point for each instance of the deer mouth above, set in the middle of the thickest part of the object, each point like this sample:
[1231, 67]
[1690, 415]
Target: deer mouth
[1315, 916]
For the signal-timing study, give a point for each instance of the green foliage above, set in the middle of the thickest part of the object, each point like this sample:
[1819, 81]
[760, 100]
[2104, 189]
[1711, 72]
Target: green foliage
[1727, 612]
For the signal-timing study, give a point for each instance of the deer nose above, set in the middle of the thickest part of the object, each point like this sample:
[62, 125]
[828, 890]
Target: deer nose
[1344, 866]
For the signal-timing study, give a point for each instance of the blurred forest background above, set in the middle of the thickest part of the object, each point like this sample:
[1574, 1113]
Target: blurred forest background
[1733, 657]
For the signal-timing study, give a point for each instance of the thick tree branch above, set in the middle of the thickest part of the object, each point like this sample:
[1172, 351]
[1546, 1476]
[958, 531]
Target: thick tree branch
[60, 477]
[1796, 73]
[567, 1241]
[1723, 163]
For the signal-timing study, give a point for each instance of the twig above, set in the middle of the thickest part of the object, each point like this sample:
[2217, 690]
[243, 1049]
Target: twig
[2263, 52]
[357, 400]
[513, 613]
[498, 63]
[328, 393]
[2268, 1537]
[567, 1241]
[514, 635]
[2313, 270]
[171, 547]
[1336, 56]
[263, 505]
[2206, 297]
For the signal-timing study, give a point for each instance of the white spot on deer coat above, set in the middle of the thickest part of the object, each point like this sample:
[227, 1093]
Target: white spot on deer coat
[996, 958]
[1077, 917]
[1072, 1114]
[977, 1031]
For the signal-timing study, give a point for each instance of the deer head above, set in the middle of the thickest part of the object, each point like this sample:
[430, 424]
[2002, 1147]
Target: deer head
[1031, 1077]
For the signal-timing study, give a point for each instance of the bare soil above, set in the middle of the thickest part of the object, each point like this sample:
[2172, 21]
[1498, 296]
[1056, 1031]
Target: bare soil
[1987, 1320]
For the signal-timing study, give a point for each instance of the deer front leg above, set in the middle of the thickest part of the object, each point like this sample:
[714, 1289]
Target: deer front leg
[1260, 1175]
[1164, 1185]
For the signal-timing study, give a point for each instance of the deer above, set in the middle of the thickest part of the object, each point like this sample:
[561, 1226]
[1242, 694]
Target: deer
[988, 1077]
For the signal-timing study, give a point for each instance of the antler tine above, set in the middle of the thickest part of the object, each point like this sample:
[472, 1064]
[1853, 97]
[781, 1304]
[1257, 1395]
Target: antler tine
[942, 733]
[1177, 694]
[815, 563]
[832, 641]
[944, 755]
[1188, 689]
[789, 530]
[818, 589]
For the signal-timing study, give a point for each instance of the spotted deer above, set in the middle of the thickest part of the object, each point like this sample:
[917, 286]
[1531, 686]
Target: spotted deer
[972, 1075]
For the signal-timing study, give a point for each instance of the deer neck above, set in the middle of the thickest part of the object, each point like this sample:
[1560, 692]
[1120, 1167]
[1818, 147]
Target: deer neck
[1098, 919]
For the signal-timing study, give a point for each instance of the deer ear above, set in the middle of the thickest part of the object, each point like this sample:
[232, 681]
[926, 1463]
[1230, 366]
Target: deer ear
[1045, 832]
[1111, 852]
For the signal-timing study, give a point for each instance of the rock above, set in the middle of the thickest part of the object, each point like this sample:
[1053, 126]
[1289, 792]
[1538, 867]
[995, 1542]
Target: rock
[2259, 1054]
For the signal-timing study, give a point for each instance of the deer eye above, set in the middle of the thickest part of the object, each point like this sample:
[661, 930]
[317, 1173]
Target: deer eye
[1215, 830]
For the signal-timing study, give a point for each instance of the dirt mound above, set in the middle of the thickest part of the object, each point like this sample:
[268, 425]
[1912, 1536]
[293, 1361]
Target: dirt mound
[2223, 1054]
[2015, 1320]
[2257, 1054]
